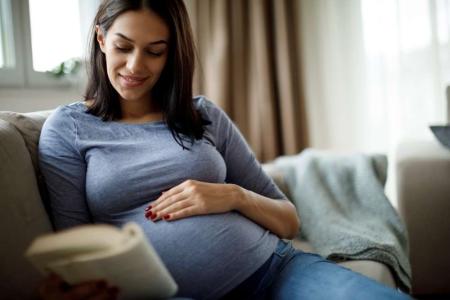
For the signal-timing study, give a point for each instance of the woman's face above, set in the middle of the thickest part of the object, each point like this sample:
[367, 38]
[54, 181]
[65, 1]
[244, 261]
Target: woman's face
[136, 48]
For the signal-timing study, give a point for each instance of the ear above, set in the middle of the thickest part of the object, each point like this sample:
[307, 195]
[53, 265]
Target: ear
[100, 38]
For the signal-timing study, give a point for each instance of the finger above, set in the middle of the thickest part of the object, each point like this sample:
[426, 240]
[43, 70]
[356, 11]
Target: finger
[177, 206]
[54, 280]
[111, 293]
[171, 192]
[155, 212]
[184, 213]
[52, 285]
[169, 200]
[87, 289]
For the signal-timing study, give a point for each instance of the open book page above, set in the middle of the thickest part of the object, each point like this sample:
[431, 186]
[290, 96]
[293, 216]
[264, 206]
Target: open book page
[129, 262]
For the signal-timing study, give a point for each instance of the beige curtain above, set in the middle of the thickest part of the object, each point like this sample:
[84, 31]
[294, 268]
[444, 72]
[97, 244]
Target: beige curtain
[250, 66]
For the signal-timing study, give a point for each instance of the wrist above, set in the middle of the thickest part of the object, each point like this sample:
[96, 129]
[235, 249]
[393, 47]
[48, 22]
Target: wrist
[241, 198]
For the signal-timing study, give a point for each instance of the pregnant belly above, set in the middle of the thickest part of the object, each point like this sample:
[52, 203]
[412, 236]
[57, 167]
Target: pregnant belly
[203, 251]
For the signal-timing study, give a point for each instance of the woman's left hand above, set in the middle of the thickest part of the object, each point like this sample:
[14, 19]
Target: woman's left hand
[192, 198]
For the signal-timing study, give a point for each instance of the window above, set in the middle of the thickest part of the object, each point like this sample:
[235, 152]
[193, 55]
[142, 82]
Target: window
[2, 45]
[407, 61]
[6, 53]
[11, 70]
[36, 36]
[52, 44]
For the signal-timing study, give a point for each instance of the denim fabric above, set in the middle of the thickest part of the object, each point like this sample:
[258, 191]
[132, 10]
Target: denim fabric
[293, 274]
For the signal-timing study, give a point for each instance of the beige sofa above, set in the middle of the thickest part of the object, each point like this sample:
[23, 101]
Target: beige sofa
[423, 188]
[23, 215]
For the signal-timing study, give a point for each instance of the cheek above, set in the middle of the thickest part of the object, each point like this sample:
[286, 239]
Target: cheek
[113, 62]
[158, 66]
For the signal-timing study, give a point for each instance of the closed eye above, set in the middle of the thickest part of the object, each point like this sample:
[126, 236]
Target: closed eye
[122, 49]
[157, 54]
[126, 50]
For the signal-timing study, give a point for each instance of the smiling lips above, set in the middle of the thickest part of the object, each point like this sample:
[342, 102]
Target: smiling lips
[132, 81]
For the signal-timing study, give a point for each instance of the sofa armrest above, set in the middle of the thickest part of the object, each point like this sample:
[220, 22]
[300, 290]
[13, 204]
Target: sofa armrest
[423, 190]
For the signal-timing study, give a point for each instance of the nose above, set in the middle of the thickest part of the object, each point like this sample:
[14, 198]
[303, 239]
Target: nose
[135, 62]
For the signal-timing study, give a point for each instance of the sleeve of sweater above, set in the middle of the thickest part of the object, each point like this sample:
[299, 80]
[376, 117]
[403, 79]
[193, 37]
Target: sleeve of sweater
[243, 168]
[64, 170]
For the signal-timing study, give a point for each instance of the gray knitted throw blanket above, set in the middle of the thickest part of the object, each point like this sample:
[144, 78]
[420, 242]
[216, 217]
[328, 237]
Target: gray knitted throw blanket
[344, 211]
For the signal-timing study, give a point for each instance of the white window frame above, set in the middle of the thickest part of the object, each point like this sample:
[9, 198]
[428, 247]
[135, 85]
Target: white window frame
[22, 75]
[14, 76]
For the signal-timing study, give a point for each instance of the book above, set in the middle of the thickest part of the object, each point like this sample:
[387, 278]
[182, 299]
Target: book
[122, 256]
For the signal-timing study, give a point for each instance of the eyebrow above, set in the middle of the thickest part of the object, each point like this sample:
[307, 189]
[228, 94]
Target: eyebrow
[151, 43]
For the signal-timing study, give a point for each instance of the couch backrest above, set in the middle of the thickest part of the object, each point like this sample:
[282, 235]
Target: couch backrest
[29, 126]
[22, 213]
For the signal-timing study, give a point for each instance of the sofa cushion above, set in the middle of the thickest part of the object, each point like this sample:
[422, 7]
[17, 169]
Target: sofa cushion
[29, 125]
[22, 215]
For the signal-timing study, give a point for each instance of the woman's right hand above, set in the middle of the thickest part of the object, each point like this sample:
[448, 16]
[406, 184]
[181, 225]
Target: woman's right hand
[55, 288]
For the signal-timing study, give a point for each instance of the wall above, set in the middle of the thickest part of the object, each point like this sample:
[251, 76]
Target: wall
[27, 100]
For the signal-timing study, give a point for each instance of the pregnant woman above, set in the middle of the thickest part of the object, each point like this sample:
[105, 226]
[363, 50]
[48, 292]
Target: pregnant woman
[141, 148]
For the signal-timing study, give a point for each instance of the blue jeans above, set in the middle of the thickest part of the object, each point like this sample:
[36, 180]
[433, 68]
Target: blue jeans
[293, 274]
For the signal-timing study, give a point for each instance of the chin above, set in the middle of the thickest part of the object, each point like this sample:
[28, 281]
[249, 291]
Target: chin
[133, 96]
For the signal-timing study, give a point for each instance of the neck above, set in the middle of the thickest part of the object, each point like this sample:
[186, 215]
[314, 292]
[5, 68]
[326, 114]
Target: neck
[139, 111]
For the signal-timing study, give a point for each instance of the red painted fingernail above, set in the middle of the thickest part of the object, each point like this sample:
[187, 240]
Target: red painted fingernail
[153, 216]
[148, 208]
[166, 217]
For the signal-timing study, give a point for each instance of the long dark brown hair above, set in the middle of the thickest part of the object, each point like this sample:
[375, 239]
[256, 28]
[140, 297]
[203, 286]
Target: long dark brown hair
[173, 90]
